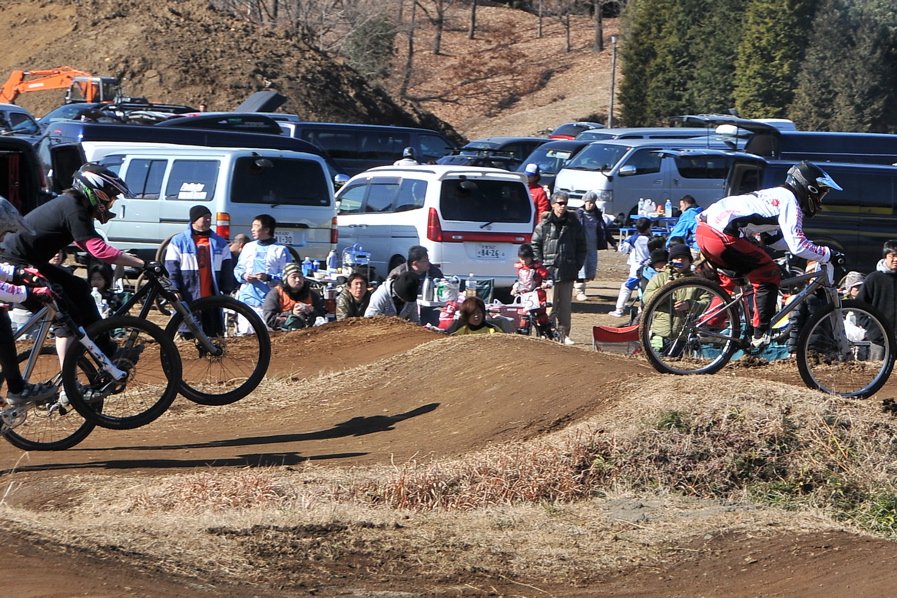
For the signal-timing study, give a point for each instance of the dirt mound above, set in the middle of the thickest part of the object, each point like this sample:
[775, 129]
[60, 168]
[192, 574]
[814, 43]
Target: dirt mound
[186, 53]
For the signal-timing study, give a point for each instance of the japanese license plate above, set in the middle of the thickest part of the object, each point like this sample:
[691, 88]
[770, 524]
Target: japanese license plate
[489, 252]
[284, 237]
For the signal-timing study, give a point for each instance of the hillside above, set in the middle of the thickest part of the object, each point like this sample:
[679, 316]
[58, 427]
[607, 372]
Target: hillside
[506, 81]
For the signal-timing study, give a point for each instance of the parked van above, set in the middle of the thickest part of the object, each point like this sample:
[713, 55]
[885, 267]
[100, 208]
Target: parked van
[643, 133]
[61, 153]
[623, 171]
[856, 221]
[359, 147]
[472, 220]
[236, 184]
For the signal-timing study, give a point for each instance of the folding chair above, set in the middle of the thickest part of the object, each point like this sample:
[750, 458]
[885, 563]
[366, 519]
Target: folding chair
[618, 340]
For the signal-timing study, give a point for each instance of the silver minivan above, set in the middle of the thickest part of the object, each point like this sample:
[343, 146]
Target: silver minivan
[623, 171]
[236, 184]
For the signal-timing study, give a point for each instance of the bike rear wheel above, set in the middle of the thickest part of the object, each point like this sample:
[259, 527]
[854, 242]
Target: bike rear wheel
[153, 366]
[699, 337]
[243, 360]
[829, 361]
[49, 425]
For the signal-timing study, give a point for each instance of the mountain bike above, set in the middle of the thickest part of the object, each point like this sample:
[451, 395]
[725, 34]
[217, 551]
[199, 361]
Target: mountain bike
[112, 393]
[693, 326]
[219, 367]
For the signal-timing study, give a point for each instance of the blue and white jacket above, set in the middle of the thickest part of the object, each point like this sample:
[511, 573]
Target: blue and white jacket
[183, 269]
[260, 258]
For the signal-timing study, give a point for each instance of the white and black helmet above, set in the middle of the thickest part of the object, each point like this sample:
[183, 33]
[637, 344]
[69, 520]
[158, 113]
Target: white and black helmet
[809, 184]
[101, 187]
[10, 219]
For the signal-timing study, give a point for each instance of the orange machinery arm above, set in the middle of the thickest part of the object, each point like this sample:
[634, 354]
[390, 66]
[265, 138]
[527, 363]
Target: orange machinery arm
[60, 78]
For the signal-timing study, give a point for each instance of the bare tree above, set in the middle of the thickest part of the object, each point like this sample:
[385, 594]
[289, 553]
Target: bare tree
[409, 59]
[471, 31]
[599, 26]
[436, 16]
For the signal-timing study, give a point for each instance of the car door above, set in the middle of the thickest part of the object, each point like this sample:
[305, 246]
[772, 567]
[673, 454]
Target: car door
[642, 174]
[137, 218]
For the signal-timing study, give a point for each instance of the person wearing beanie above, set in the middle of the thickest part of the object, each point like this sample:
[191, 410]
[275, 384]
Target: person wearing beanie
[679, 266]
[198, 261]
[598, 238]
[656, 263]
[537, 192]
[259, 267]
[396, 297]
[292, 304]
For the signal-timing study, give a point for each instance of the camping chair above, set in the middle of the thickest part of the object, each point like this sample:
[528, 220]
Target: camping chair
[618, 340]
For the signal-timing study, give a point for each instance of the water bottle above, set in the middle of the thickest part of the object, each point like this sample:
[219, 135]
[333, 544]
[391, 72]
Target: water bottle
[470, 287]
[316, 265]
[428, 289]
[332, 262]
[668, 208]
[97, 298]
[641, 207]
[306, 267]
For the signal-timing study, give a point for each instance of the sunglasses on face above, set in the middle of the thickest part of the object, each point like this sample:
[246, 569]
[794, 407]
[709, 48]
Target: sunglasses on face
[560, 203]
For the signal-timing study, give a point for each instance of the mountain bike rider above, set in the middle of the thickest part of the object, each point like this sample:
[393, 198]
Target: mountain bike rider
[70, 218]
[725, 229]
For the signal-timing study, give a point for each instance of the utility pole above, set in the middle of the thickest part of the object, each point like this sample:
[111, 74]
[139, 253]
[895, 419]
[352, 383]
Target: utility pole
[613, 76]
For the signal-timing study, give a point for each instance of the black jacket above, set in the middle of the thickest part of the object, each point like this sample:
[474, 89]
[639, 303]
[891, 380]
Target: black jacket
[560, 245]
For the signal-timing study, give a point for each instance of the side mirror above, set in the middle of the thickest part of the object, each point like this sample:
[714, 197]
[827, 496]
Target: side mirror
[339, 180]
[627, 170]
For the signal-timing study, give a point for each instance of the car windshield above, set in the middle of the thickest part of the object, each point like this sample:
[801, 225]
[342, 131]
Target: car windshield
[593, 135]
[485, 201]
[598, 156]
[550, 161]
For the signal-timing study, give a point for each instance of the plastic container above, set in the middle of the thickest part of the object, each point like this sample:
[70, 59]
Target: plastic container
[470, 286]
[332, 262]
[307, 267]
[668, 209]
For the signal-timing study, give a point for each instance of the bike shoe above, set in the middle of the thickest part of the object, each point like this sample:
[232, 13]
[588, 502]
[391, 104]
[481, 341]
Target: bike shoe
[762, 342]
[31, 393]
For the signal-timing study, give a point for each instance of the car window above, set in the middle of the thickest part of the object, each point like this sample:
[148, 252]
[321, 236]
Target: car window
[597, 156]
[338, 144]
[192, 180]
[381, 196]
[433, 146]
[412, 194]
[351, 198]
[386, 145]
[485, 201]
[703, 167]
[22, 123]
[275, 182]
[144, 177]
[646, 161]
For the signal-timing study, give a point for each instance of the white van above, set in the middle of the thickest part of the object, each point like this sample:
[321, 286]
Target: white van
[471, 220]
[236, 184]
[623, 171]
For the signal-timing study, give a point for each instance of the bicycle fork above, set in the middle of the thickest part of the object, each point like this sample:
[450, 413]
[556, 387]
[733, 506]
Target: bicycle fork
[196, 330]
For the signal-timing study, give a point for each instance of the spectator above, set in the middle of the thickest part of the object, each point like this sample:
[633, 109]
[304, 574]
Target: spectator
[536, 191]
[100, 278]
[880, 291]
[58, 260]
[679, 265]
[636, 247]
[419, 263]
[409, 158]
[292, 304]
[355, 298]
[396, 297]
[472, 319]
[687, 225]
[560, 244]
[236, 246]
[666, 319]
[198, 261]
[656, 263]
[853, 282]
[259, 267]
[598, 238]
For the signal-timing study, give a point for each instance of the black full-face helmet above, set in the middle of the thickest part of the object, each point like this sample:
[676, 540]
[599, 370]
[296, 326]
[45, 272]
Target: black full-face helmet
[101, 187]
[810, 184]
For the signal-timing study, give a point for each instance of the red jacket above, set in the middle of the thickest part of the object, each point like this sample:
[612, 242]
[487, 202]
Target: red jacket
[540, 200]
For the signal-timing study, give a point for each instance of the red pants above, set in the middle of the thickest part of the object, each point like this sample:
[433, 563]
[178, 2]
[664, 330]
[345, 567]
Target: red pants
[748, 260]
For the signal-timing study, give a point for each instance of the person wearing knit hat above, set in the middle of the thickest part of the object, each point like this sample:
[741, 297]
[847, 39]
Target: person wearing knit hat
[680, 250]
[198, 260]
[396, 297]
[679, 265]
[852, 283]
[292, 304]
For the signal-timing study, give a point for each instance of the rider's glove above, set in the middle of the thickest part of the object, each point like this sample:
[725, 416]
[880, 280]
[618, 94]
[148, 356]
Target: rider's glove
[28, 276]
[837, 258]
[42, 294]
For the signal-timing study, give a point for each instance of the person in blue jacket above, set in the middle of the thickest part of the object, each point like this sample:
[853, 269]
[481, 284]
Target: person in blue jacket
[688, 224]
[198, 261]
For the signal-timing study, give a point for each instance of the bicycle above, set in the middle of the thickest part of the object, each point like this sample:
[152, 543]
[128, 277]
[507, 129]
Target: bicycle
[216, 371]
[693, 326]
[113, 393]
[531, 303]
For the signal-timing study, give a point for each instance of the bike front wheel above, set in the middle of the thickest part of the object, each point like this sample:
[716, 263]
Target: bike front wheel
[690, 326]
[854, 364]
[153, 369]
[51, 424]
[239, 363]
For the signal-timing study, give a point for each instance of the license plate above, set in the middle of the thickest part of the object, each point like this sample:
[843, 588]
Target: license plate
[284, 238]
[489, 252]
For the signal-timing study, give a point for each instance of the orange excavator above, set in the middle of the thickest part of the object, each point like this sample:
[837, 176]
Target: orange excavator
[79, 85]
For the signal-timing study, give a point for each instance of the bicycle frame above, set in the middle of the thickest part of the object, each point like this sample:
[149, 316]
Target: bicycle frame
[817, 279]
[150, 291]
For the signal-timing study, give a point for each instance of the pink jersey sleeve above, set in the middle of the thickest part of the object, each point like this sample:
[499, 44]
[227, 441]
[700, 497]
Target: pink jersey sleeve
[99, 249]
